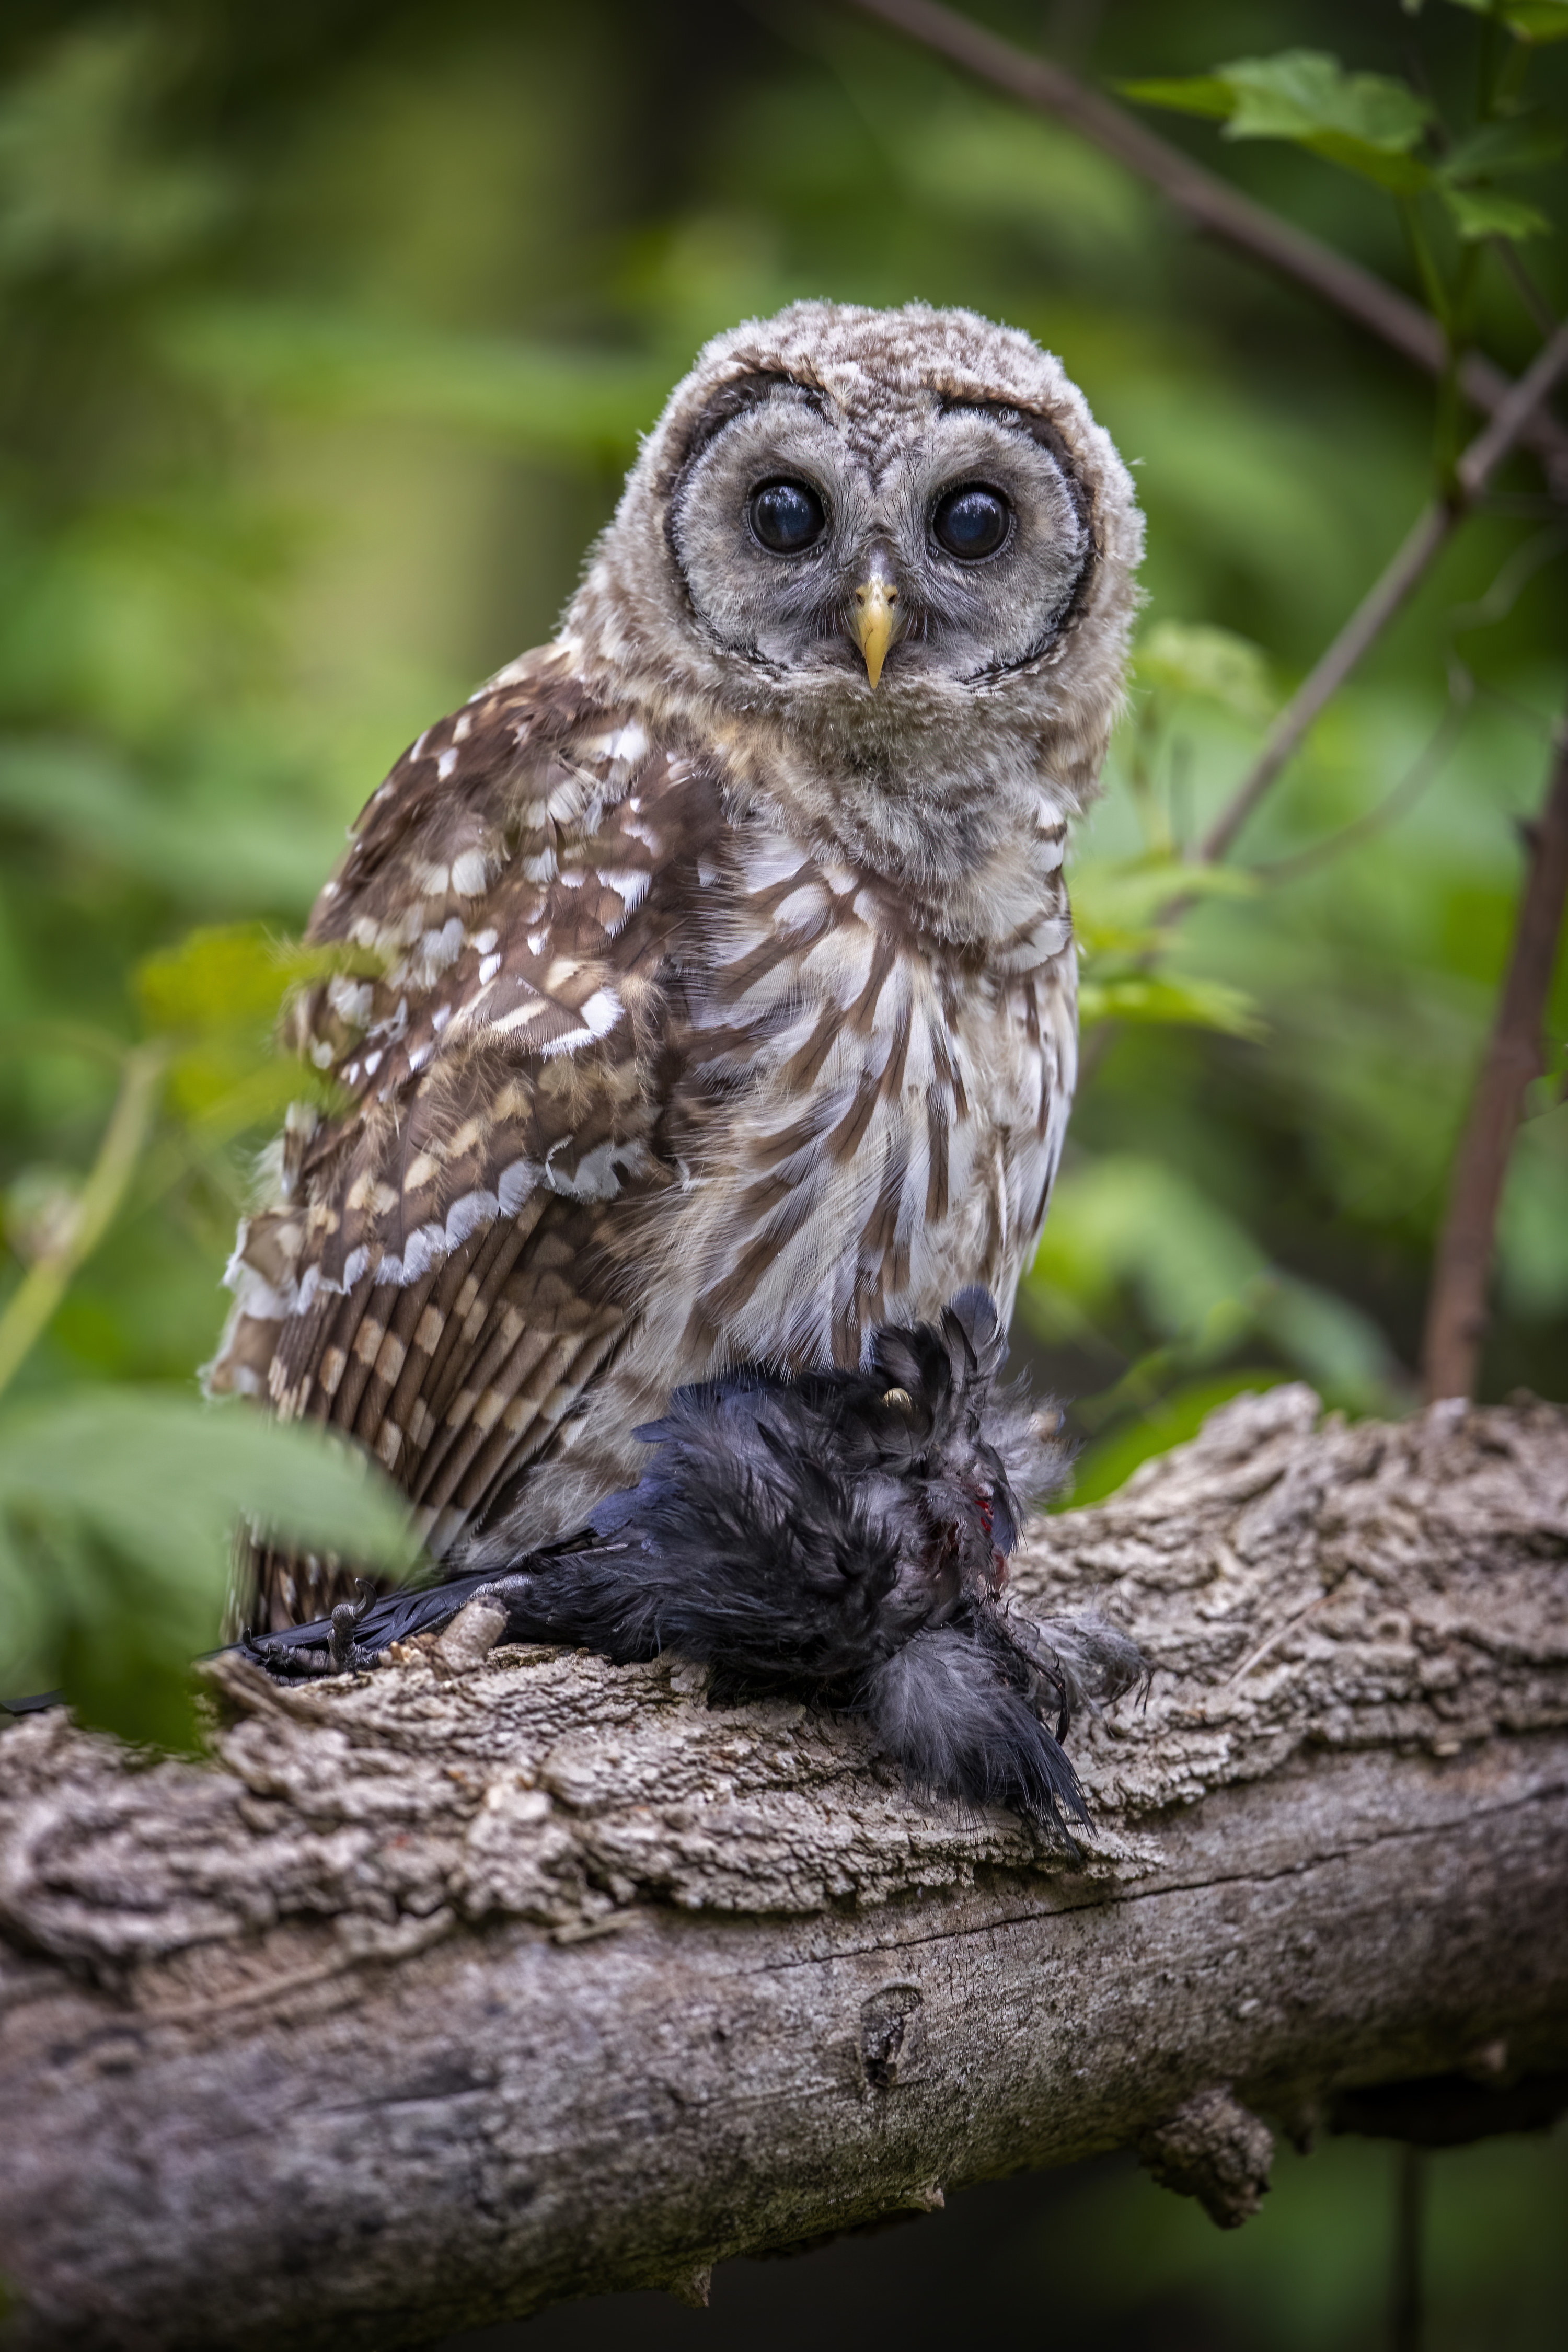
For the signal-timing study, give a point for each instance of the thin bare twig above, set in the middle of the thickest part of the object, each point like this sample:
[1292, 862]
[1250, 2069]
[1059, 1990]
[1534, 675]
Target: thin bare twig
[1496, 601]
[1426, 765]
[1495, 606]
[44, 1286]
[1457, 1313]
[1383, 599]
[1212, 203]
[1388, 594]
[1524, 285]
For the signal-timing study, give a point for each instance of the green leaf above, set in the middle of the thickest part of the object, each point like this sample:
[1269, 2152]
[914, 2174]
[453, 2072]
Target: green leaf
[223, 990]
[1194, 1004]
[216, 978]
[1537, 20]
[1482, 212]
[1188, 659]
[118, 1511]
[1341, 1350]
[1106, 1466]
[1205, 94]
[1122, 1223]
[1528, 20]
[1115, 902]
[233, 976]
[223, 1093]
[1401, 175]
[1304, 93]
[1367, 123]
[1523, 143]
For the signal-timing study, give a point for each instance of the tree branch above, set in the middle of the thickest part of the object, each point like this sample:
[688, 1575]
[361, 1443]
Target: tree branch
[1212, 203]
[1388, 594]
[450, 1991]
[1414, 556]
[1457, 1312]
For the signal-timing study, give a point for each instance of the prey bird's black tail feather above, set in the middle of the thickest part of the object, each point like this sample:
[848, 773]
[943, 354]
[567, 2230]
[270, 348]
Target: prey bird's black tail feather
[1070, 1665]
[955, 1721]
[845, 1534]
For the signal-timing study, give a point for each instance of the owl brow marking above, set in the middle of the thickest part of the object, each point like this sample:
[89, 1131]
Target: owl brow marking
[741, 393]
[1044, 431]
[736, 398]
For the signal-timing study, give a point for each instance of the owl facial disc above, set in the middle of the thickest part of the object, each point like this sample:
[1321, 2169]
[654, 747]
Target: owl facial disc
[889, 555]
[941, 541]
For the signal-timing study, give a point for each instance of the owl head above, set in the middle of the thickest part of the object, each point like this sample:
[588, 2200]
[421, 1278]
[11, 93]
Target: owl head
[888, 552]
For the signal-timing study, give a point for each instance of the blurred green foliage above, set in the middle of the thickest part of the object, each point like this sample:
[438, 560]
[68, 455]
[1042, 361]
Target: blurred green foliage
[1100, 2260]
[326, 333]
[119, 1503]
[1313, 2270]
[116, 1505]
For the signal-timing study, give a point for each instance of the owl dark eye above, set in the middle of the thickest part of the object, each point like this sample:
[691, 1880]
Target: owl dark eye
[971, 521]
[787, 517]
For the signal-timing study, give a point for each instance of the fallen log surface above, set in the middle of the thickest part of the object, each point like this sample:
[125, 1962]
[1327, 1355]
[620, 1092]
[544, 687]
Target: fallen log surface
[506, 1976]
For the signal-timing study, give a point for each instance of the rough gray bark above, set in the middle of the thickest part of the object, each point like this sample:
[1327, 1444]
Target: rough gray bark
[505, 1977]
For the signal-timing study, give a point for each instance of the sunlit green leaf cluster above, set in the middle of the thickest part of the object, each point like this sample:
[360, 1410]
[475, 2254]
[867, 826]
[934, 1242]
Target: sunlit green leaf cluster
[1377, 126]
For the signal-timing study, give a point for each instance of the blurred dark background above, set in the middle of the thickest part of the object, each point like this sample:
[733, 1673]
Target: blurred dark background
[1099, 2260]
[326, 332]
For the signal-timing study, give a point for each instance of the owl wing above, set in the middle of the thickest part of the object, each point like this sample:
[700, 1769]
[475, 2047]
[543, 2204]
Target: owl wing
[438, 1275]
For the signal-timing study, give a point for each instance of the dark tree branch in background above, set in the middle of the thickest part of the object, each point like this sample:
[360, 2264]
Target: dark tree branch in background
[1387, 595]
[1211, 203]
[1457, 1315]
[1529, 292]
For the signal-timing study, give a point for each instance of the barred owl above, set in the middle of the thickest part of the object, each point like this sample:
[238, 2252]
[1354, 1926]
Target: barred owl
[721, 1004]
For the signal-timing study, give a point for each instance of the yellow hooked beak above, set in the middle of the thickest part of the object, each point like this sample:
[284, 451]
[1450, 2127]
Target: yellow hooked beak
[874, 622]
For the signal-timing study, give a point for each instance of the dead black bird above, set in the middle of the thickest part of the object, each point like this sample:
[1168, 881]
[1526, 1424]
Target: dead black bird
[844, 1534]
